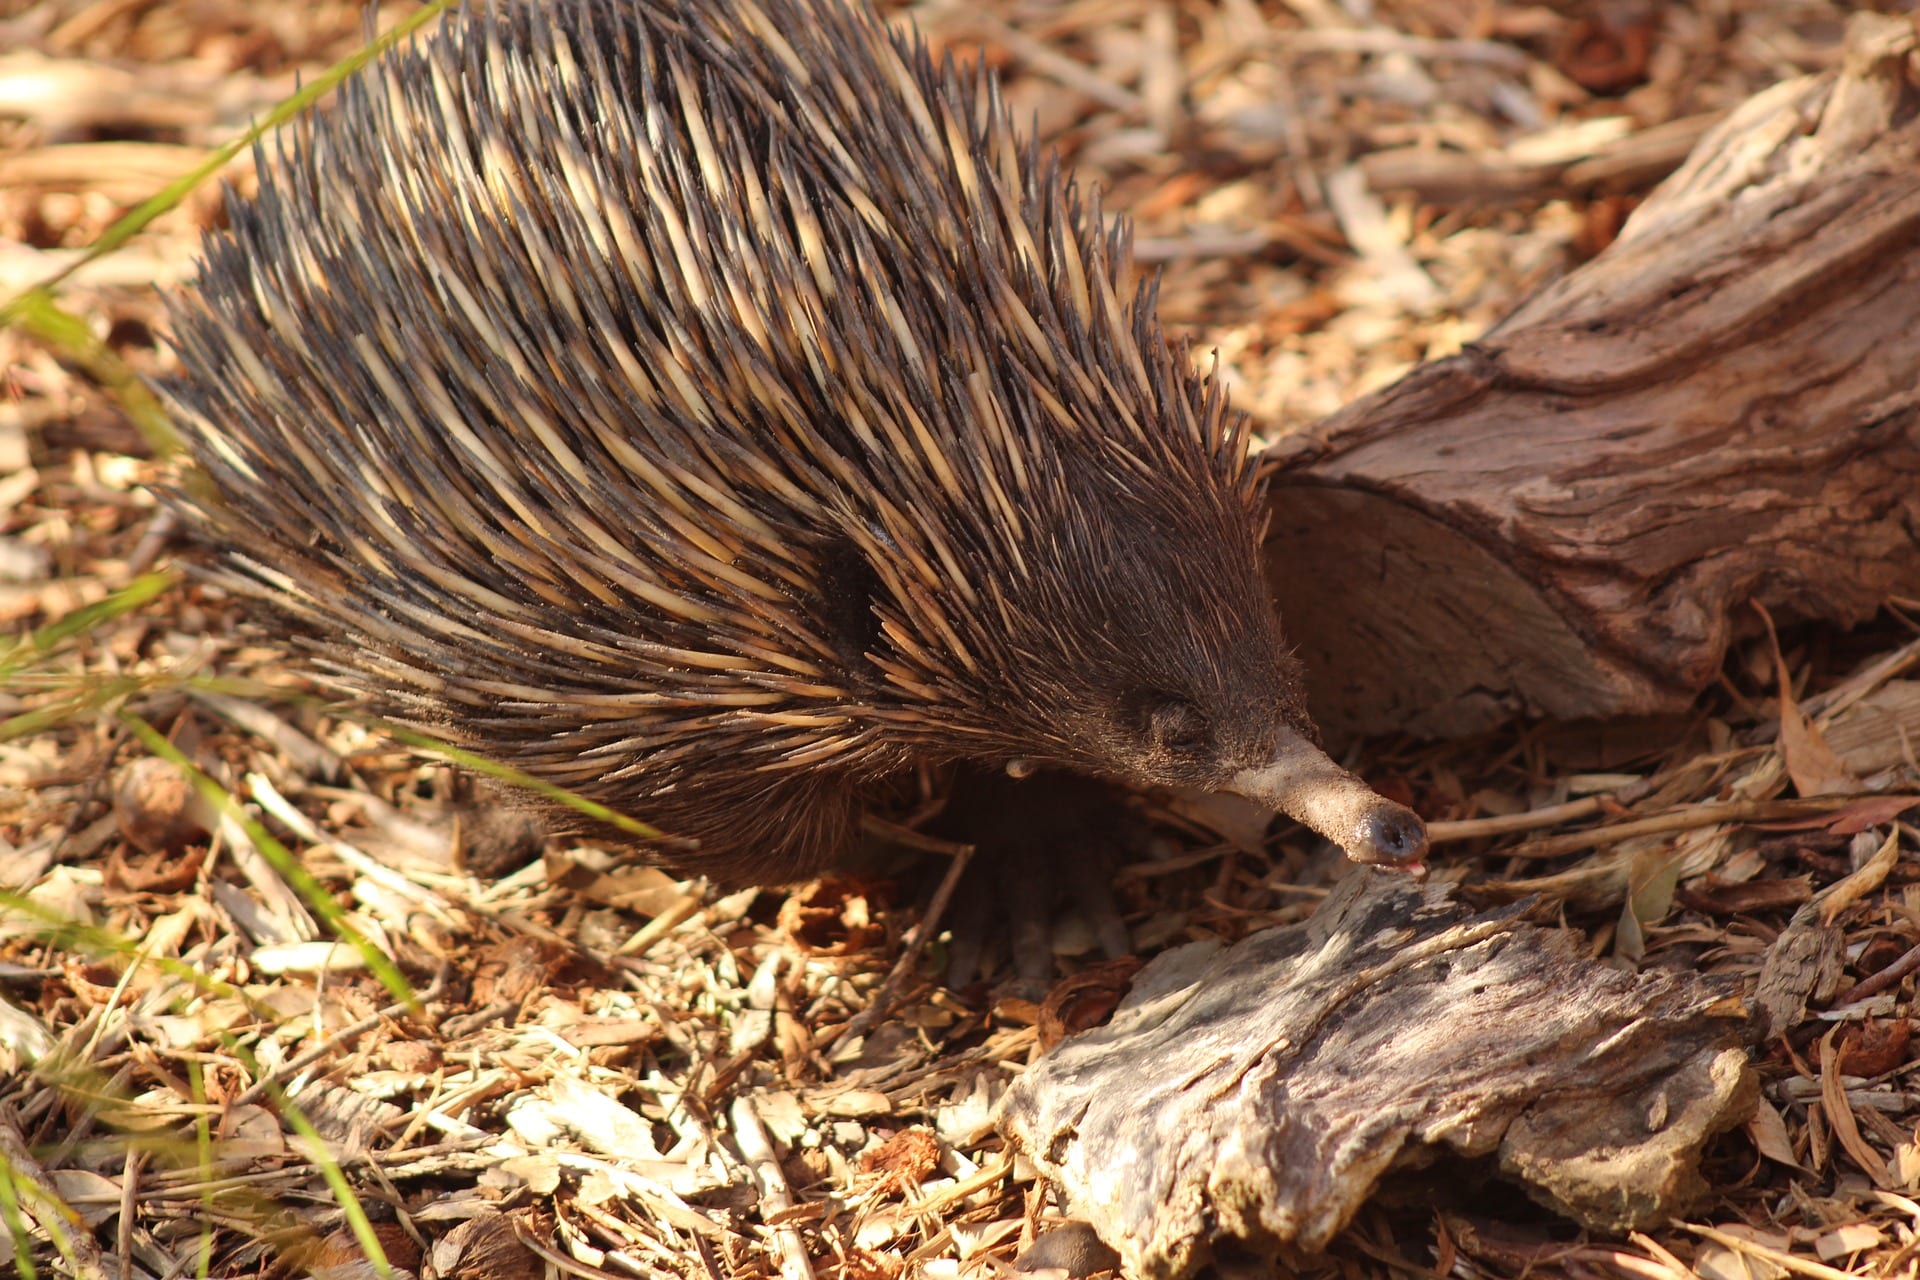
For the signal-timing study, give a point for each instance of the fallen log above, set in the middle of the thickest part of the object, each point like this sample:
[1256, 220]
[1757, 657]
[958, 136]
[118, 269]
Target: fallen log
[1569, 517]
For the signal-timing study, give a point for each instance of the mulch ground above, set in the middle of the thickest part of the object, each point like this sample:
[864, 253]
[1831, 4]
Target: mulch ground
[550, 1059]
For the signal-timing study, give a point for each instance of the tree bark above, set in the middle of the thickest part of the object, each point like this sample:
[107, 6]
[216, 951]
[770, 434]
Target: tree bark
[1570, 517]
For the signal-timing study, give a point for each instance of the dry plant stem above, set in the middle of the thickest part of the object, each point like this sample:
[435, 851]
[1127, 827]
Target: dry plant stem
[1873, 984]
[24, 1170]
[660, 926]
[1825, 706]
[707, 1260]
[1779, 1258]
[980, 1181]
[1635, 1265]
[1534, 819]
[1430, 175]
[333, 1042]
[908, 838]
[775, 1197]
[1135, 871]
[1672, 1265]
[312, 759]
[130, 1171]
[521, 922]
[160, 531]
[1705, 815]
[1375, 42]
[116, 742]
[562, 1264]
[910, 948]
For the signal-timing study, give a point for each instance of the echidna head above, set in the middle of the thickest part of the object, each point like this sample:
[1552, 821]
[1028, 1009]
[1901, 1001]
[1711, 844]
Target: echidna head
[1156, 655]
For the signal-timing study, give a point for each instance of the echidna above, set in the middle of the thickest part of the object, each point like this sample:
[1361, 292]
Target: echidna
[713, 408]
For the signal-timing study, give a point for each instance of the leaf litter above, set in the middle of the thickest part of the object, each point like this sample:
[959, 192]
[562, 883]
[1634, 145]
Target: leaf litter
[594, 1068]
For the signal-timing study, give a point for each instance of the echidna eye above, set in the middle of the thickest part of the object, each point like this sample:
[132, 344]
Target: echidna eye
[1178, 726]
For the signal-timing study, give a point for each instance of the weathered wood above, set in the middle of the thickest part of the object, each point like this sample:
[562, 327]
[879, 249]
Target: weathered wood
[1261, 1091]
[1569, 517]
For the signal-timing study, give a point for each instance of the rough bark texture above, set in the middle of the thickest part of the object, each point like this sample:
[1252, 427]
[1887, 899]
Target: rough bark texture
[1260, 1092]
[1569, 517]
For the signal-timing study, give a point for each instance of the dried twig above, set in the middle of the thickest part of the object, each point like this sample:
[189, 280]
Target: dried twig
[775, 1197]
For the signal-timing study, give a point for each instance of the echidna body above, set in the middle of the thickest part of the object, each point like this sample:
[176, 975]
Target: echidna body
[712, 408]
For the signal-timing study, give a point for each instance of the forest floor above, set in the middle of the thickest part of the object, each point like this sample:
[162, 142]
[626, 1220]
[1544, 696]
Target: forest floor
[548, 1058]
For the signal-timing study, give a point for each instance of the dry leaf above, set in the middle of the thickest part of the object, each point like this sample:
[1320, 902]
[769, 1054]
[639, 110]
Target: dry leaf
[1843, 893]
[909, 1157]
[1717, 1262]
[1814, 767]
[485, 1248]
[1768, 1131]
[1839, 1113]
[1844, 1241]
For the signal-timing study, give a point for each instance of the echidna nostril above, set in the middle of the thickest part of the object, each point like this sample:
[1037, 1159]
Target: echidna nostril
[1395, 835]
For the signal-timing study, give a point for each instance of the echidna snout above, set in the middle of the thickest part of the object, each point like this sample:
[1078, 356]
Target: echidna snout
[1239, 728]
[1301, 782]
